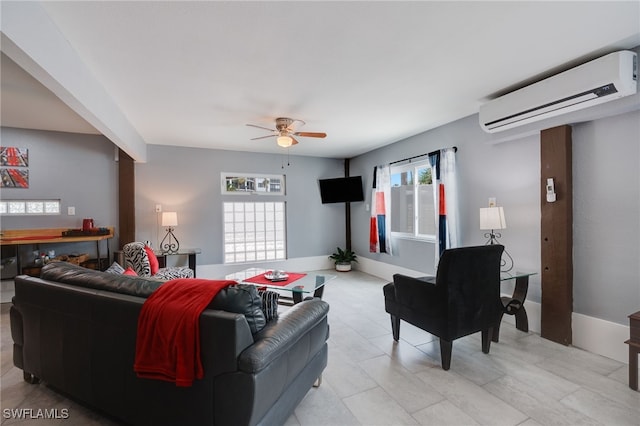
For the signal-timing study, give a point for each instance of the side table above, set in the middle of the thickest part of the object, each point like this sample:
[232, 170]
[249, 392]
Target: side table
[191, 253]
[634, 349]
[118, 256]
[514, 305]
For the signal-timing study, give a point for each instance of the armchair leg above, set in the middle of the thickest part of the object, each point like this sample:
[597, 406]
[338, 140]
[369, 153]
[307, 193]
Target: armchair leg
[318, 382]
[445, 353]
[487, 336]
[395, 327]
[496, 330]
[30, 378]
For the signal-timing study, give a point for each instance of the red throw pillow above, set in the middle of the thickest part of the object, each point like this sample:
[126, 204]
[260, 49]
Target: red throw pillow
[153, 260]
[130, 271]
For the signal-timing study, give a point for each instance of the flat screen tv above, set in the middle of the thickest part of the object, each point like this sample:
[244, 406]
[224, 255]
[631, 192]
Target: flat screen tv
[341, 190]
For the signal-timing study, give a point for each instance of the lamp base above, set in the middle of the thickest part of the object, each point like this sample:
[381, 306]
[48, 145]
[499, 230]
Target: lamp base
[170, 246]
[505, 264]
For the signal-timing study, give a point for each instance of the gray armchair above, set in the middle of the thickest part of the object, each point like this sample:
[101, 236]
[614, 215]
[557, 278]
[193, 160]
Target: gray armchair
[462, 299]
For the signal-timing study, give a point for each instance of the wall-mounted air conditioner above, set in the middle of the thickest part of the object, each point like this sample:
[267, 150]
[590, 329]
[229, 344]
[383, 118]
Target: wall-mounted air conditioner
[607, 78]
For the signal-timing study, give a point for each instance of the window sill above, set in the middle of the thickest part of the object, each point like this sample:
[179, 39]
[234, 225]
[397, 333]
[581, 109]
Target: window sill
[430, 240]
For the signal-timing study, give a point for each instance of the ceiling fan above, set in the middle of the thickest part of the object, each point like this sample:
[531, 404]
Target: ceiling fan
[285, 132]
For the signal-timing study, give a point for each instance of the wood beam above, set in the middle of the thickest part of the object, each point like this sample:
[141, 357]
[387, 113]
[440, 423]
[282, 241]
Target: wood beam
[347, 211]
[556, 235]
[126, 199]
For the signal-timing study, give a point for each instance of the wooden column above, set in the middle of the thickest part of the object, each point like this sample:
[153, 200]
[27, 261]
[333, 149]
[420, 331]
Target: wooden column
[347, 211]
[556, 235]
[126, 199]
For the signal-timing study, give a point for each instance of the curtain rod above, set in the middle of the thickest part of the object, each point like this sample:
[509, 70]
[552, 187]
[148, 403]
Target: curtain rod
[455, 149]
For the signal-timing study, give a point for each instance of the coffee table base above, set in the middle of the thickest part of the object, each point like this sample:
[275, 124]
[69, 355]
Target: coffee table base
[296, 297]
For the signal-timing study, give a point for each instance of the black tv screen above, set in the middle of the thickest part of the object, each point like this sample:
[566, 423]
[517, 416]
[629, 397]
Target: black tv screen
[341, 190]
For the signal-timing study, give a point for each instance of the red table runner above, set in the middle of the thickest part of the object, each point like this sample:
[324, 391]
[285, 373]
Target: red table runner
[260, 279]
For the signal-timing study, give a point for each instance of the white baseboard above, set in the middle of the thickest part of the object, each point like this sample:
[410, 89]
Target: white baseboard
[384, 270]
[589, 333]
[602, 337]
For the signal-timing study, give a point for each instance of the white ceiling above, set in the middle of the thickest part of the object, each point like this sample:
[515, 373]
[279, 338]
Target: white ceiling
[367, 73]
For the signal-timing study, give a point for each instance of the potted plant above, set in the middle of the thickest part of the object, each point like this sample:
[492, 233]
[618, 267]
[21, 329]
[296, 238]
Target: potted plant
[343, 259]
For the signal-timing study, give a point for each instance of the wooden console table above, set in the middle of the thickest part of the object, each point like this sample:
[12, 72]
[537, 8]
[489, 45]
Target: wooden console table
[20, 237]
[634, 349]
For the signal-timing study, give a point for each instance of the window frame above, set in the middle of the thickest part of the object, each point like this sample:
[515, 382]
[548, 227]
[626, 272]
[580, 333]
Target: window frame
[278, 226]
[225, 190]
[414, 166]
[4, 207]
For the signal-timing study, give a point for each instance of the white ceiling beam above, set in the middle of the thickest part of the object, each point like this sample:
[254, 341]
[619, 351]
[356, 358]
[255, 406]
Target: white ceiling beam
[32, 40]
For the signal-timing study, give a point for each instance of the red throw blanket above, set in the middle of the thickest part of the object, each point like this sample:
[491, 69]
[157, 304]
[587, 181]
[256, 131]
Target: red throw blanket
[168, 341]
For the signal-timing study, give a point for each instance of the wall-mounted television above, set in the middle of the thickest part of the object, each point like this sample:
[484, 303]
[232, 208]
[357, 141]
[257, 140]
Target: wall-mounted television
[341, 190]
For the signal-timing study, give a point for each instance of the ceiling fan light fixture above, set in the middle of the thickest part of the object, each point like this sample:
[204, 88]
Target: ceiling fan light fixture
[285, 141]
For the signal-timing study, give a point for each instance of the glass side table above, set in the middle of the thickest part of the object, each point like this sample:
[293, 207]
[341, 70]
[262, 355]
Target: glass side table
[514, 305]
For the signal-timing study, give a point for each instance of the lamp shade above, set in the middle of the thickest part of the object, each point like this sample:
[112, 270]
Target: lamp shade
[169, 219]
[492, 218]
[284, 141]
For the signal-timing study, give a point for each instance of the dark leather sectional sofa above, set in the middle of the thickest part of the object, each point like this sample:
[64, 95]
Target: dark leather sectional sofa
[75, 330]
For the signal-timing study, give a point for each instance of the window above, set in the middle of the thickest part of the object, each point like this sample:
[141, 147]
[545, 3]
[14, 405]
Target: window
[245, 183]
[412, 201]
[254, 231]
[29, 207]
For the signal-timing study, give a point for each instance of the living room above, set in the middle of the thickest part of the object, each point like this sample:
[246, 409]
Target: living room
[81, 171]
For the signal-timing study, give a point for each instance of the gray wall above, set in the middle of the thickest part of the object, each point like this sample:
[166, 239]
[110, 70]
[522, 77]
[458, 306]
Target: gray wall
[187, 180]
[81, 171]
[606, 206]
[606, 213]
[78, 169]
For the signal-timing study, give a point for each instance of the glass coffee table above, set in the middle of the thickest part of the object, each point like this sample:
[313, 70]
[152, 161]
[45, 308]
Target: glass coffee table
[311, 284]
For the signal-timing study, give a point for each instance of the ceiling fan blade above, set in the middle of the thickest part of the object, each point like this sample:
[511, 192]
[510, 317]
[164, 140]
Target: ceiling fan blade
[262, 137]
[311, 134]
[293, 141]
[260, 127]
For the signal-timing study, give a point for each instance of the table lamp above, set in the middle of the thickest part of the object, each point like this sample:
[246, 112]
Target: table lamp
[492, 218]
[169, 220]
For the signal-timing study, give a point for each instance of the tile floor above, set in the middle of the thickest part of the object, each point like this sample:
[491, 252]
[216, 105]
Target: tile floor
[371, 380]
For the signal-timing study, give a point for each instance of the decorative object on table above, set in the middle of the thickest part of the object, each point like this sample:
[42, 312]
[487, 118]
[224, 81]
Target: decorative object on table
[492, 218]
[343, 259]
[266, 278]
[86, 232]
[87, 224]
[170, 243]
[276, 275]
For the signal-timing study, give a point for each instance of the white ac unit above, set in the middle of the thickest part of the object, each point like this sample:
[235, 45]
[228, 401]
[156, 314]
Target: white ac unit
[607, 78]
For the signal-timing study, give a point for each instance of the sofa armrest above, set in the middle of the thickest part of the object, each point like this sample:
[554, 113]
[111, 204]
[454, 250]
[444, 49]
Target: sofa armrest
[223, 337]
[280, 335]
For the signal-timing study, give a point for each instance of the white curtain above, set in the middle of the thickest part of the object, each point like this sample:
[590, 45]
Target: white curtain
[445, 187]
[380, 221]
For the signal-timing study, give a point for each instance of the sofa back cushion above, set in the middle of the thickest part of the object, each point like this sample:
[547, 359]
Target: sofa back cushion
[68, 273]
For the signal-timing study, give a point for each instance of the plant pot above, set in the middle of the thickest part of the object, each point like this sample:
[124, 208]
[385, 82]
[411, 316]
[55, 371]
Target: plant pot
[343, 266]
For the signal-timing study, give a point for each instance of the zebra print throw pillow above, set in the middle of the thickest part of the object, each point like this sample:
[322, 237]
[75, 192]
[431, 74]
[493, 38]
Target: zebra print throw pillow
[269, 304]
